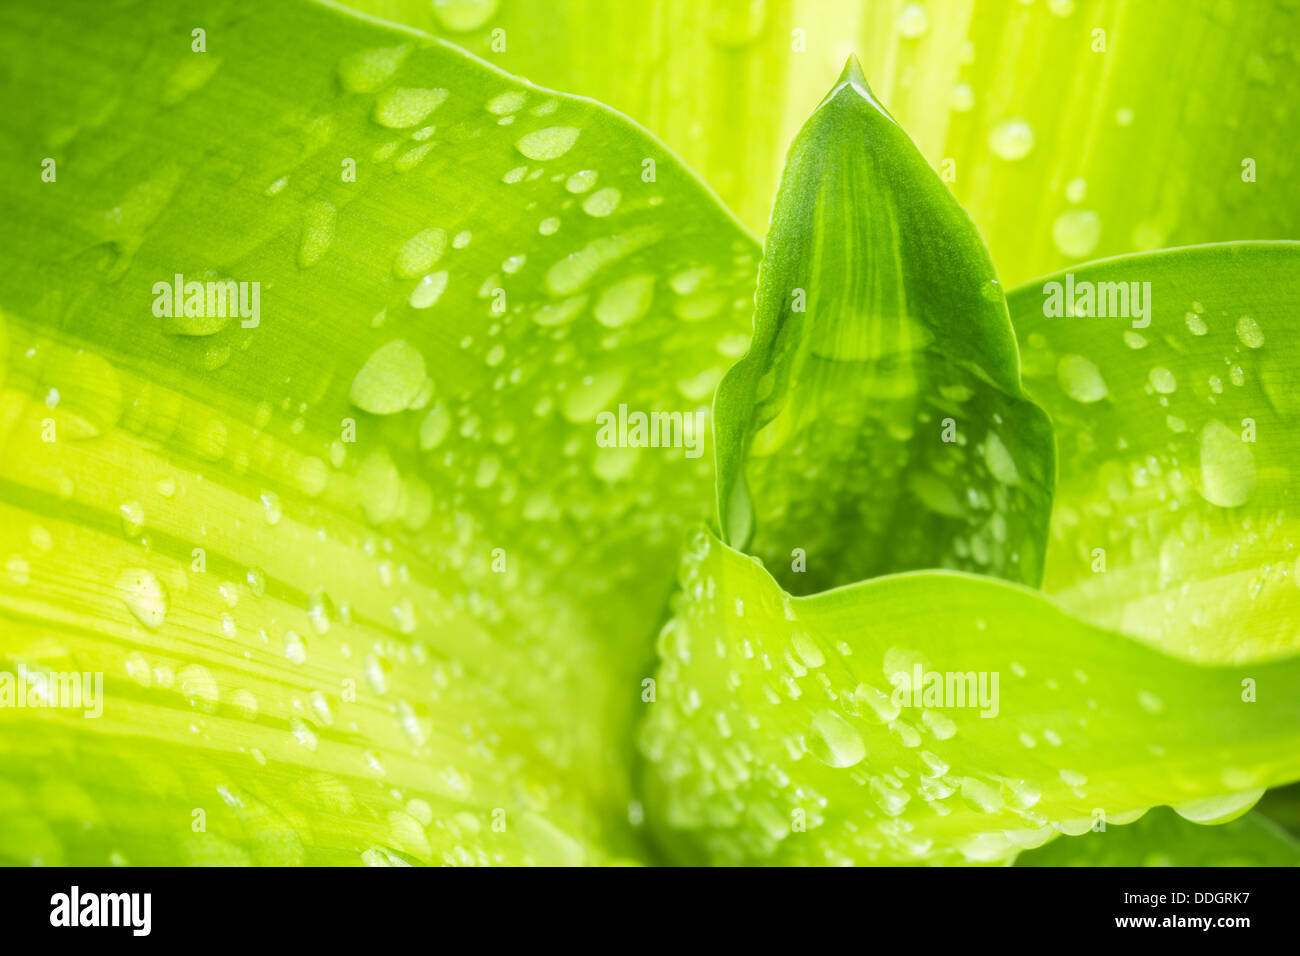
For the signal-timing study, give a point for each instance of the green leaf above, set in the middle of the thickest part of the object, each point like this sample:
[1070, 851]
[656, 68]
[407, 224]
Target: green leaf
[1140, 116]
[1282, 807]
[1162, 838]
[784, 729]
[362, 584]
[1178, 428]
[877, 422]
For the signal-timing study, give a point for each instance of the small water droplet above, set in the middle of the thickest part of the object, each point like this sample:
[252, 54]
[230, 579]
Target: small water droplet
[143, 595]
[1012, 139]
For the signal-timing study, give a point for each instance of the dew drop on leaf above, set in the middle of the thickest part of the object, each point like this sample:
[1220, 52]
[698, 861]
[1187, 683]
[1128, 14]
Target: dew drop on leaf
[549, 143]
[404, 107]
[420, 252]
[143, 595]
[368, 70]
[1227, 466]
[1076, 232]
[1011, 139]
[390, 379]
[317, 232]
[1248, 331]
[461, 16]
[834, 740]
[1080, 379]
[602, 202]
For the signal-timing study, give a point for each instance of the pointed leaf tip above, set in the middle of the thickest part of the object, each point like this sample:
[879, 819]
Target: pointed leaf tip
[852, 78]
[852, 72]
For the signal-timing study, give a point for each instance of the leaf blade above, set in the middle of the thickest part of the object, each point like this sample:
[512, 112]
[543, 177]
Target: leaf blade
[243, 525]
[882, 375]
[1175, 440]
[782, 734]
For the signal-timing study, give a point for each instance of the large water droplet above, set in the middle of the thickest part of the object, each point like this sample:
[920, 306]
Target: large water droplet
[461, 16]
[834, 741]
[390, 380]
[368, 70]
[625, 301]
[1080, 379]
[420, 252]
[1227, 466]
[317, 232]
[1220, 809]
[1249, 332]
[1012, 139]
[404, 107]
[1076, 232]
[549, 143]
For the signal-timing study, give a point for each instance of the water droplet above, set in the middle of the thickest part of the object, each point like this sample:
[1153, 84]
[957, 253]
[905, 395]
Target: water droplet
[1195, 324]
[806, 650]
[303, 733]
[1150, 702]
[429, 290]
[272, 509]
[317, 232]
[295, 648]
[602, 202]
[581, 181]
[625, 301]
[1072, 778]
[132, 517]
[1080, 379]
[592, 395]
[999, 461]
[506, 103]
[1011, 139]
[143, 595]
[368, 70]
[560, 312]
[573, 272]
[198, 686]
[461, 16]
[138, 669]
[1227, 466]
[420, 252]
[381, 488]
[434, 428]
[1076, 232]
[193, 73]
[1219, 809]
[390, 380]
[1162, 380]
[1249, 332]
[256, 580]
[835, 742]
[941, 725]
[404, 107]
[19, 570]
[982, 795]
[912, 22]
[549, 143]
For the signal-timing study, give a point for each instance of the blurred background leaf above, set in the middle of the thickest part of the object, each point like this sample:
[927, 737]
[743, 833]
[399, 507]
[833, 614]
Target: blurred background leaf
[1131, 149]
